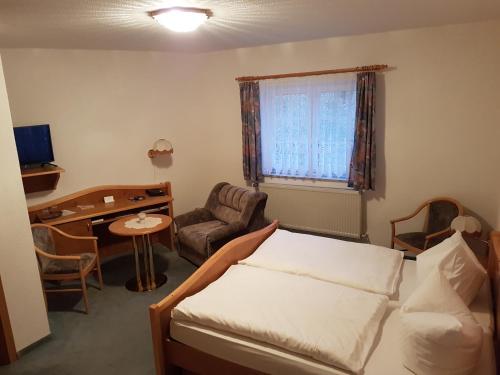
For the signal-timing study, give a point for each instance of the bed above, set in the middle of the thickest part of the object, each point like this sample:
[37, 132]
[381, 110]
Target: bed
[182, 346]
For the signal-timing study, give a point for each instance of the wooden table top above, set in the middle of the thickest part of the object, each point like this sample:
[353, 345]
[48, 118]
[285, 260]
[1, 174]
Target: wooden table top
[101, 208]
[118, 227]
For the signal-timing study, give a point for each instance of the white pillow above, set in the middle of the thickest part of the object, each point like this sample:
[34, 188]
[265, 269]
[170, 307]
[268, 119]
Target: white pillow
[458, 263]
[439, 335]
[437, 343]
[435, 294]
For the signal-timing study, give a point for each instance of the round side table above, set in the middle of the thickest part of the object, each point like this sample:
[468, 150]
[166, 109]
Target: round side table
[142, 244]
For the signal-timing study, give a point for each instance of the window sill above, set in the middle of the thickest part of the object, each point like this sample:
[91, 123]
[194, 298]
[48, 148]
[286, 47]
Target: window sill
[305, 182]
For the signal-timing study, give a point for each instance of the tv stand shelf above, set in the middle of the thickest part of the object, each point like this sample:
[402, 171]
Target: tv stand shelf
[40, 179]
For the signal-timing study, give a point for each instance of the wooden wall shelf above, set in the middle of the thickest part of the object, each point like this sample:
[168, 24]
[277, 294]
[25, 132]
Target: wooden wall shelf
[40, 179]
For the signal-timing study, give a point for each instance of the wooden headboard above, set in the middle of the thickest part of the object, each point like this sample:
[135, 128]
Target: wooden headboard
[494, 274]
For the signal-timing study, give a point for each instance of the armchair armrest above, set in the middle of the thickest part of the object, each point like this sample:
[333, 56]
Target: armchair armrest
[70, 236]
[57, 257]
[226, 231]
[404, 218]
[408, 217]
[91, 239]
[198, 215]
[436, 234]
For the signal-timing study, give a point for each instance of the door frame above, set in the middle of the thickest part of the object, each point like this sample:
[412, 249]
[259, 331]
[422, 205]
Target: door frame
[8, 352]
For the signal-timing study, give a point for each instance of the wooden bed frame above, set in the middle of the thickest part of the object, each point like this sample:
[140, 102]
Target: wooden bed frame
[173, 357]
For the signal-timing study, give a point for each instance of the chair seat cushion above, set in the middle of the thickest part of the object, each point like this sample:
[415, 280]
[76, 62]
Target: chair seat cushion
[196, 236]
[55, 266]
[417, 239]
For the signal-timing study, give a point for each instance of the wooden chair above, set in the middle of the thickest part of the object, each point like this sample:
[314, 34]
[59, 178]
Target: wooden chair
[59, 268]
[440, 213]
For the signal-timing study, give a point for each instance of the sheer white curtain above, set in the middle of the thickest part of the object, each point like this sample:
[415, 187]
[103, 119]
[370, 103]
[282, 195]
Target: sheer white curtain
[308, 126]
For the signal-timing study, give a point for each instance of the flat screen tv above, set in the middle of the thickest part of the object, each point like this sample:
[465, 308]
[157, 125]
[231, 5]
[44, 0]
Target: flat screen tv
[34, 144]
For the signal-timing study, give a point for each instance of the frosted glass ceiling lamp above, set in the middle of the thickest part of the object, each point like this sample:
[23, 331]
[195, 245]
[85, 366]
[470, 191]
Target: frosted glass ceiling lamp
[180, 19]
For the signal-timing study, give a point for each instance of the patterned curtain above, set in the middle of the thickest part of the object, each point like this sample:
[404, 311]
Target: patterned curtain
[250, 118]
[362, 167]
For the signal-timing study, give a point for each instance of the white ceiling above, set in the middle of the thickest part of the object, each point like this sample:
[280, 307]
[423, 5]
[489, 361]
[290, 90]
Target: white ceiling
[125, 24]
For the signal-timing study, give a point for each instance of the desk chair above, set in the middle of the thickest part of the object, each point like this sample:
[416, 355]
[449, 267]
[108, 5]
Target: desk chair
[60, 268]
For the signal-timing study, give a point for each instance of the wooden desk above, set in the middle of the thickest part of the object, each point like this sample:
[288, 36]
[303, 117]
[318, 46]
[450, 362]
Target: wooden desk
[87, 214]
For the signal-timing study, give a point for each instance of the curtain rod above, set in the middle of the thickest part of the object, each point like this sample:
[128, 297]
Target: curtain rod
[368, 68]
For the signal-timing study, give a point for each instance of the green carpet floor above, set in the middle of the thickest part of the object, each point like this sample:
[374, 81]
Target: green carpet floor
[115, 337]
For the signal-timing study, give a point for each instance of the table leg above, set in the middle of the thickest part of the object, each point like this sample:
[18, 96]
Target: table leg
[151, 262]
[146, 262]
[137, 269]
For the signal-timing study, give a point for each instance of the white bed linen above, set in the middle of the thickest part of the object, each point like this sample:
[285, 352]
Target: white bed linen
[329, 322]
[361, 266]
[384, 359]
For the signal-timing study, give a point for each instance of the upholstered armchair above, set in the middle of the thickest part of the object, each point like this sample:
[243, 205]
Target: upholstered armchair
[439, 215]
[58, 268]
[230, 211]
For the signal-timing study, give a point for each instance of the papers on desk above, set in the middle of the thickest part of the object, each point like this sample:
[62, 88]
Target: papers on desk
[85, 206]
[67, 212]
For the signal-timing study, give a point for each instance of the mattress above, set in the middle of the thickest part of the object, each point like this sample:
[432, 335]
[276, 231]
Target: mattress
[384, 359]
[377, 268]
[329, 322]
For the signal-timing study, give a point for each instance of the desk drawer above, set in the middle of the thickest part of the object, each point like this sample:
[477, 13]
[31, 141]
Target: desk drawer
[75, 228]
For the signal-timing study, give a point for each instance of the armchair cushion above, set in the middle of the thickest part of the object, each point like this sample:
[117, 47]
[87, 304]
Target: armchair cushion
[230, 203]
[58, 266]
[198, 215]
[196, 236]
[226, 231]
[417, 239]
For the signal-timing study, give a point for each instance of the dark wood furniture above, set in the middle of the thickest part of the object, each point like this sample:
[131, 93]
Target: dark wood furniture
[91, 216]
[8, 352]
[61, 268]
[440, 213]
[141, 239]
[494, 275]
[40, 179]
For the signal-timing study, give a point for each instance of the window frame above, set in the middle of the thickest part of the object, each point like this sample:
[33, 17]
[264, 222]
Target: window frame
[313, 97]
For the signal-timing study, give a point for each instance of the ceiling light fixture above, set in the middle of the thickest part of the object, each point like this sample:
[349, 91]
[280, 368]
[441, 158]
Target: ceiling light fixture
[181, 19]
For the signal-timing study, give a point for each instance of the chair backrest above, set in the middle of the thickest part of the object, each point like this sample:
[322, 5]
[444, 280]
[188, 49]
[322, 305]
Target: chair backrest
[442, 211]
[43, 239]
[230, 203]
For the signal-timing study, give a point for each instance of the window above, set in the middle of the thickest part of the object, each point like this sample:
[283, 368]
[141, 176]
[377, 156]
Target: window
[308, 126]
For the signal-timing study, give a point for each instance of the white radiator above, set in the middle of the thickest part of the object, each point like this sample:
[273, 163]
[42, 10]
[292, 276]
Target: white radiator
[321, 210]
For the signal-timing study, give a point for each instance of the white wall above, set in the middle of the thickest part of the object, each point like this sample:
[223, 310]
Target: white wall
[106, 108]
[438, 114]
[18, 267]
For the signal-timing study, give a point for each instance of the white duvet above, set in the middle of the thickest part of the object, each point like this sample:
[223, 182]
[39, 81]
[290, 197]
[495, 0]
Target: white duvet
[362, 266]
[326, 321]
